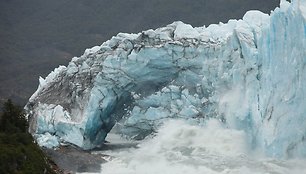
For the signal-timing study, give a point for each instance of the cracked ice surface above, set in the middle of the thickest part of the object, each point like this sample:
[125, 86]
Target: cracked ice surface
[249, 74]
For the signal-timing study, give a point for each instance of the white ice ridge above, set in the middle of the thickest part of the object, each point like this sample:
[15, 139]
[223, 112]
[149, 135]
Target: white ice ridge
[249, 74]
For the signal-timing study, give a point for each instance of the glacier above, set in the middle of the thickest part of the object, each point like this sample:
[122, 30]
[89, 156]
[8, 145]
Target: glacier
[249, 74]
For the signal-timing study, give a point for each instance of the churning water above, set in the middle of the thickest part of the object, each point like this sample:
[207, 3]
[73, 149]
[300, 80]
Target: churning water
[180, 148]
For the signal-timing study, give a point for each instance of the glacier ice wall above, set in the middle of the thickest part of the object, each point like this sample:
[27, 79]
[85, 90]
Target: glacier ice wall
[247, 73]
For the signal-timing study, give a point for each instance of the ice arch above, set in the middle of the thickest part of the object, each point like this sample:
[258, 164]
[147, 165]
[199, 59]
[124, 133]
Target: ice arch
[248, 73]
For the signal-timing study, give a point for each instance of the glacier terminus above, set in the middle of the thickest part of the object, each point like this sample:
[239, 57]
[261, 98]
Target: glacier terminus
[249, 74]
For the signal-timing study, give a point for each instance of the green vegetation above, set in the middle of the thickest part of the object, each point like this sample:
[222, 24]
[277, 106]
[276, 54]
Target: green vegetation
[18, 152]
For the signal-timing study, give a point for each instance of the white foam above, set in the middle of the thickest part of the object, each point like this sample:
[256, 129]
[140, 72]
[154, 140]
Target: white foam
[180, 148]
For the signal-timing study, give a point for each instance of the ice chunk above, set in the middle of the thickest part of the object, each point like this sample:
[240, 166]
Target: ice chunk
[47, 140]
[185, 31]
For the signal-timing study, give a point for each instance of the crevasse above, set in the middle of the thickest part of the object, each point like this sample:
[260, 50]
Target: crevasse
[247, 73]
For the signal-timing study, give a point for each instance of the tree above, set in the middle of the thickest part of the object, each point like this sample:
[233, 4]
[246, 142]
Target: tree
[13, 118]
[18, 152]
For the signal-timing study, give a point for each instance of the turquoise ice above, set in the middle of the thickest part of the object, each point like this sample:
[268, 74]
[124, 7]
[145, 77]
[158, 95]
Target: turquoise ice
[248, 73]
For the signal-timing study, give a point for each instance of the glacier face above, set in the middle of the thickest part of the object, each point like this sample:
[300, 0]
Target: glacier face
[247, 73]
